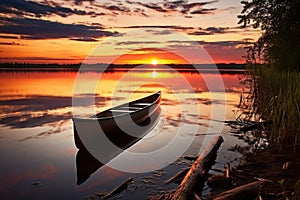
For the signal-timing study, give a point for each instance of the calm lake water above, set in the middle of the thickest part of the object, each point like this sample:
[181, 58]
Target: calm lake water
[39, 159]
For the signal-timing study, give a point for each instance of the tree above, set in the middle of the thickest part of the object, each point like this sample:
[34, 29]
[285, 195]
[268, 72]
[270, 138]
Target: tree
[279, 21]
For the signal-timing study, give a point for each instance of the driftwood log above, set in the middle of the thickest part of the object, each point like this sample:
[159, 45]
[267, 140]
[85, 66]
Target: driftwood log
[198, 170]
[179, 176]
[118, 189]
[247, 191]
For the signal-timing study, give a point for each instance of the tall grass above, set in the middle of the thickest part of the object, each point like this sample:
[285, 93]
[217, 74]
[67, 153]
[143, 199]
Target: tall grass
[277, 99]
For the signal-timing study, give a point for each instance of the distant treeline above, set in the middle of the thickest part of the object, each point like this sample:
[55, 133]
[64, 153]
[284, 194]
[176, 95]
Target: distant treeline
[75, 67]
[29, 66]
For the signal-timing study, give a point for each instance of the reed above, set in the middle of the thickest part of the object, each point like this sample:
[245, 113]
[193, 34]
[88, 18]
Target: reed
[276, 97]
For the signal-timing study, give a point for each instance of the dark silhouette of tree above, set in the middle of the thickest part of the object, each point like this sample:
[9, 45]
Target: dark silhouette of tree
[279, 20]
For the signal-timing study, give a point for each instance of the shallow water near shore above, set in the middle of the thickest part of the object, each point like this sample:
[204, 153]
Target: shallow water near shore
[38, 155]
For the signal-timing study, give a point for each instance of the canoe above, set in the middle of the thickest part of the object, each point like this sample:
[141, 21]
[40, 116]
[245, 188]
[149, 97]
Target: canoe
[123, 121]
[87, 164]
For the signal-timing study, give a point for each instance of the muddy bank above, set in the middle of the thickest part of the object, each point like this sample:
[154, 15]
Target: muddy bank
[278, 169]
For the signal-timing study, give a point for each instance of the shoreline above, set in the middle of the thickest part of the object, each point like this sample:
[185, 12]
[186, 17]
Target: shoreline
[99, 67]
[276, 169]
[222, 69]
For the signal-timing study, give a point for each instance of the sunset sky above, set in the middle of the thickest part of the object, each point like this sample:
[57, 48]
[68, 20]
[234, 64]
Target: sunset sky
[131, 31]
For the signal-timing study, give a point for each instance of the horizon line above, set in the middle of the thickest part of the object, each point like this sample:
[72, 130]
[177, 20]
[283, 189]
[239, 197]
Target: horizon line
[118, 64]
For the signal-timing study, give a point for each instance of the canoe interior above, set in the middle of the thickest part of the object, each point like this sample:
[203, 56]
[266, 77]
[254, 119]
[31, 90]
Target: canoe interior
[129, 107]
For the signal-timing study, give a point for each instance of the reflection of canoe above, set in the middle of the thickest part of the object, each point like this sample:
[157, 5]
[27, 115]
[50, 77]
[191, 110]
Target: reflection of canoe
[114, 120]
[86, 164]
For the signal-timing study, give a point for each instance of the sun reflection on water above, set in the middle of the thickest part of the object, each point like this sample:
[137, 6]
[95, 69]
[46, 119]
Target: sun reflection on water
[154, 74]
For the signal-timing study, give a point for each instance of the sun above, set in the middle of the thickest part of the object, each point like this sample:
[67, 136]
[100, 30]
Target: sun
[154, 62]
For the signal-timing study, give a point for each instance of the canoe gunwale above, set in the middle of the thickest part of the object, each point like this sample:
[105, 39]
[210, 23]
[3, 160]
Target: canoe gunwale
[125, 113]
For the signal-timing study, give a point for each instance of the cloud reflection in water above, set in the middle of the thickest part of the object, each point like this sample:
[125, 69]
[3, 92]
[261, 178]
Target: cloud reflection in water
[37, 111]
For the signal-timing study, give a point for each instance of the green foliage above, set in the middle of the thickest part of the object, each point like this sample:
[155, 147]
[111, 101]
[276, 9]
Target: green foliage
[277, 98]
[281, 182]
[279, 21]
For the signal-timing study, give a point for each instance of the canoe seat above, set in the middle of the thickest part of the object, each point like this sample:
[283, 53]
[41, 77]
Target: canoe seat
[123, 111]
[142, 104]
[134, 108]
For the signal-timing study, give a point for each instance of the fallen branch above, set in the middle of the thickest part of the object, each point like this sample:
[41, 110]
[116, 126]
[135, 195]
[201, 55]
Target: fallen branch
[246, 191]
[198, 170]
[227, 170]
[196, 197]
[118, 189]
[180, 175]
[256, 125]
[250, 127]
[187, 157]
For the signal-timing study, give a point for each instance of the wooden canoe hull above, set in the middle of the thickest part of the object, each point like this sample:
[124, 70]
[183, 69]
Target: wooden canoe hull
[86, 164]
[118, 126]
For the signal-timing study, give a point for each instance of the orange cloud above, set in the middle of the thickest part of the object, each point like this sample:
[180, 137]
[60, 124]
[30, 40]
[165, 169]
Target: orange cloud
[147, 55]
